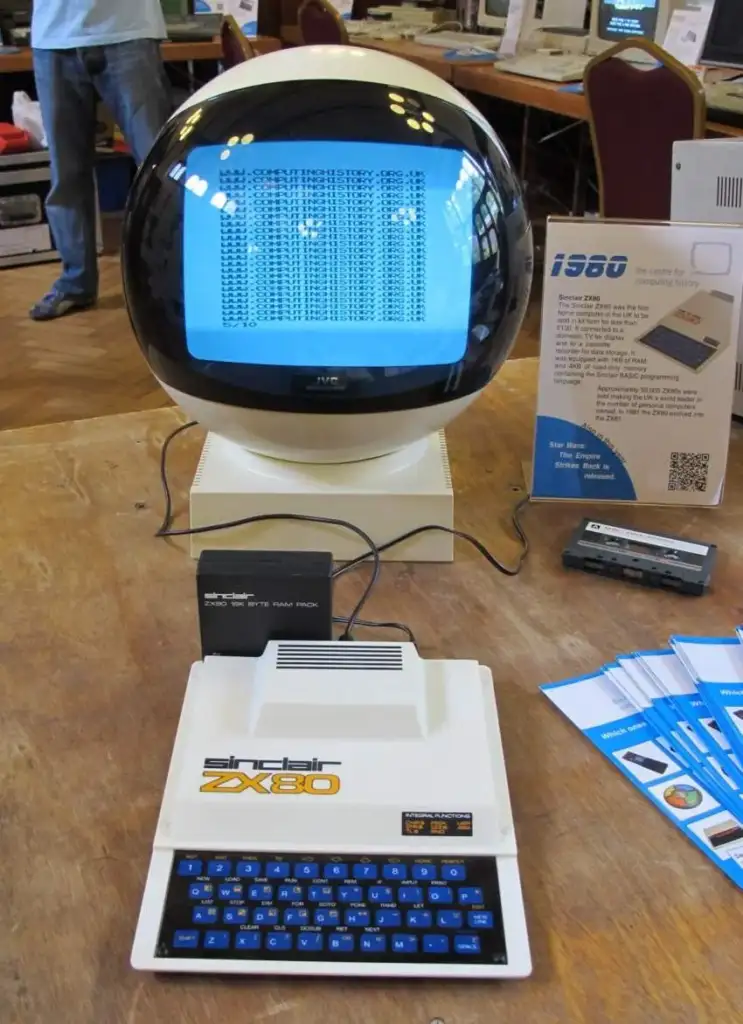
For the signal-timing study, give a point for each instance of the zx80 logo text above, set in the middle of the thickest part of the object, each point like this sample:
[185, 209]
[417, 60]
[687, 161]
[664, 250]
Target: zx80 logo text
[277, 777]
[580, 265]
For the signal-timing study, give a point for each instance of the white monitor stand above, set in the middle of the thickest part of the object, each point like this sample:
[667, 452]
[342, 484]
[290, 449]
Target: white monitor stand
[554, 26]
[385, 497]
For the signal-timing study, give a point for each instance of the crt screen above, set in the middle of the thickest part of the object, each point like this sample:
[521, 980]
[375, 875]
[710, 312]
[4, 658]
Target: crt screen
[497, 8]
[327, 254]
[726, 29]
[622, 18]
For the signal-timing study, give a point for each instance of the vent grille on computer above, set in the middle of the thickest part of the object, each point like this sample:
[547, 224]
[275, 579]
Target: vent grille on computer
[362, 657]
[739, 377]
[326, 245]
[729, 192]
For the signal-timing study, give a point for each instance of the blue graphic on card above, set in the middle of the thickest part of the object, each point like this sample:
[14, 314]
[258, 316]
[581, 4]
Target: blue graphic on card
[696, 719]
[608, 719]
[716, 665]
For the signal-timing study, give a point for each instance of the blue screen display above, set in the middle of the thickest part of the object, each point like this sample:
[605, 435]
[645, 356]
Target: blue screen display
[331, 254]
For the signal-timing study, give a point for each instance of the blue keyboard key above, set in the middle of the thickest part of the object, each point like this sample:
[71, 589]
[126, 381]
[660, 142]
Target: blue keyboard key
[219, 868]
[306, 870]
[435, 943]
[366, 872]
[395, 872]
[340, 942]
[409, 894]
[358, 918]
[185, 940]
[248, 940]
[188, 868]
[279, 941]
[277, 869]
[204, 915]
[336, 871]
[217, 940]
[388, 919]
[469, 944]
[424, 872]
[449, 919]
[470, 896]
[248, 869]
[296, 916]
[321, 894]
[419, 919]
[479, 919]
[453, 872]
[380, 894]
[200, 891]
[309, 942]
[440, 894]
[260, 892]
[373, 943]
[350, 893]
[290, 893]
[325, 917]
[235, 915]
[230, 891]
[265, 915]
[404, 943]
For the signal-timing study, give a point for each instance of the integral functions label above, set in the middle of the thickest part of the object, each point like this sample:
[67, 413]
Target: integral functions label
[436, 823]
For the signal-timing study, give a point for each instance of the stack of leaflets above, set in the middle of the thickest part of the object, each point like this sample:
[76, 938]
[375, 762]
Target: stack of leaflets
[672, 722]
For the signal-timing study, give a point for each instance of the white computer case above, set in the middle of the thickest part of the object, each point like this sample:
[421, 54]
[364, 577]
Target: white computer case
[707, 187]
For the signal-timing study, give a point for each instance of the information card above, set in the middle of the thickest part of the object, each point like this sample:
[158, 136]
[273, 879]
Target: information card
[640, 326]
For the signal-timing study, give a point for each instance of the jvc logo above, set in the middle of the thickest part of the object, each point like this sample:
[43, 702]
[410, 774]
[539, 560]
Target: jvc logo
[579, 265]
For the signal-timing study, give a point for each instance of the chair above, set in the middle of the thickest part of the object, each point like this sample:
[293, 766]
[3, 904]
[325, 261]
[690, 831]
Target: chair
[635, 116]
[320, 23]
[236, 47]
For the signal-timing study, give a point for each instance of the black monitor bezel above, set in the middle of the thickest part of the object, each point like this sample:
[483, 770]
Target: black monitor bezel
[720, 56]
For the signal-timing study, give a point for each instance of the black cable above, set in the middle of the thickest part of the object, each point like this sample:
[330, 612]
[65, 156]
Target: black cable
[168, 516]
[374, 550]
[165, 530]
[515, 519]
[380, 625]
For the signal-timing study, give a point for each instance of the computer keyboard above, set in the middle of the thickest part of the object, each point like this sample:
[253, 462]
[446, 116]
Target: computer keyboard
[198, 28]
[726, 97]
[549, 68]
[458, 40]
[310, 907]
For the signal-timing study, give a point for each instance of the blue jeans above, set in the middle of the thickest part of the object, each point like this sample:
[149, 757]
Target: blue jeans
[130, 79]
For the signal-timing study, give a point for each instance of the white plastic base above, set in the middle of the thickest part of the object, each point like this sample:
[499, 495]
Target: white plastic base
[385, 497]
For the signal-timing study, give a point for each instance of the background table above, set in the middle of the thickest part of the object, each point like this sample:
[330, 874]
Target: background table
[628, 921]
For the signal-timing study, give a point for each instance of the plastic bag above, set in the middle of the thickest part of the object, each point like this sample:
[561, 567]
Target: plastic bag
[27, 115]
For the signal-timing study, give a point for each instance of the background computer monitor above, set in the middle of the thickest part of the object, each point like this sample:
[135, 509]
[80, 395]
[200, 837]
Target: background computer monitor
[177, 8]
[493, 14]
[724, 44]
[615, 20]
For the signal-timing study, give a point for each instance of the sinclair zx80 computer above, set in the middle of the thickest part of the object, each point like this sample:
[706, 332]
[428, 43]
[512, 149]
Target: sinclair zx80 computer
[336, 808]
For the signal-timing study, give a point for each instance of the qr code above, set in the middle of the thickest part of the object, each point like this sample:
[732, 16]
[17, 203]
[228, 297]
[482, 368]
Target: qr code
[688, 471]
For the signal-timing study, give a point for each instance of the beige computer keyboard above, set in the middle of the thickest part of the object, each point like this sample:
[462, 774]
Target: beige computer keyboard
[459, 40]
[567, 67]
[727, 96]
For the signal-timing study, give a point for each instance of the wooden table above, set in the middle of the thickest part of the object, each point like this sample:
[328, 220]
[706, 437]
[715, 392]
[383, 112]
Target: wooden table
[488, 81]
[628, 921]
[172, 52]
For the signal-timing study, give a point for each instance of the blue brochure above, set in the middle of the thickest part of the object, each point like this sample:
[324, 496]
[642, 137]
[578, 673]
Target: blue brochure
[613, 724]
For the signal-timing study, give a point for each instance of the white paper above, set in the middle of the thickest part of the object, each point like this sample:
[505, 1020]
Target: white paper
[687, 31]
[512, 33]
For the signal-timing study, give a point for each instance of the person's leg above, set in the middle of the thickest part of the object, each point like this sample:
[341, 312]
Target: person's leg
[134, 88]
[67, 98]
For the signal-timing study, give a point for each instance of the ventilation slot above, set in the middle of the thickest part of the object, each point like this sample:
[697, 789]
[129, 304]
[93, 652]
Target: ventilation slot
[739, 376]
[361, 657]
[445, 460]
[729, 192]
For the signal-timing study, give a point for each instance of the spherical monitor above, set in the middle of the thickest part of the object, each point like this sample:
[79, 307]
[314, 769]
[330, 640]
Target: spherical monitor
[326, 255]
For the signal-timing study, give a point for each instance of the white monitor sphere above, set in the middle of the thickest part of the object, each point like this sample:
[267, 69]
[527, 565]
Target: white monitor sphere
[326, 254]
